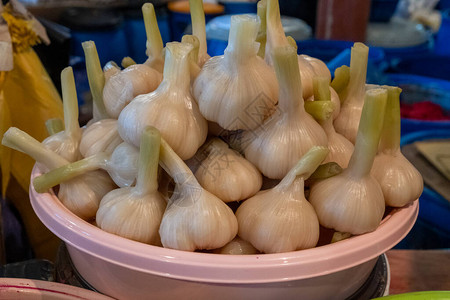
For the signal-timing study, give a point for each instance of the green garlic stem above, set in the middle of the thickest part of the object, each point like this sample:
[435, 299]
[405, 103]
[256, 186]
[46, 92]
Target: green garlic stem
[262, 33]
[147, 178]
[54, 126]
[70, 101]
[341, 79]
[96, 79]
[326, 170]
[176, 65]
[320, 110]
[358, 70]
[154, 39]
[321, 88]
[292, 42]
[289, 80]
[56, 176]
[305, 166]
[242, 39]
[198, 24]
[127, 61]
[19, 140]
[369, 132]
[275, 31]
[390, 135]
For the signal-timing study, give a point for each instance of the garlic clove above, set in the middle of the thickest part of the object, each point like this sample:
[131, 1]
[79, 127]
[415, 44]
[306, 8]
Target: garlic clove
[123, 164]
[237, 246]
[101, 136]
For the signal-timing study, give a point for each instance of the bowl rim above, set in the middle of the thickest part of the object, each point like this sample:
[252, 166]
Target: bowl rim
[216, 268]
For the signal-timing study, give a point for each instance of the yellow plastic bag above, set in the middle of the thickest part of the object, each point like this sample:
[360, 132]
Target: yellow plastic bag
[27, 99]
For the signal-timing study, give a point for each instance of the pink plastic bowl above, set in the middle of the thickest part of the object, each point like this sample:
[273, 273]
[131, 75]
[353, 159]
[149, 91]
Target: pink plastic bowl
[126, 269]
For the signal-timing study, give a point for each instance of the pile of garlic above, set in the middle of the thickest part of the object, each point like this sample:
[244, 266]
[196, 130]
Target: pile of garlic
[255, 152]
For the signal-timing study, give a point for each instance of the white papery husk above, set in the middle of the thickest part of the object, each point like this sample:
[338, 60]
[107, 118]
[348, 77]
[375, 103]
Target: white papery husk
[101, 136]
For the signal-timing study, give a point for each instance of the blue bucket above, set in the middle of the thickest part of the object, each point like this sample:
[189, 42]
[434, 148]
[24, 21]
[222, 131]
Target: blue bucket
[441, 44]
[431, 65]
[432, 229]
[419, 88]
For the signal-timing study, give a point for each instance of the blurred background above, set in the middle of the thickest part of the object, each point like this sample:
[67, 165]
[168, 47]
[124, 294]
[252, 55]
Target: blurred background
[409, 47]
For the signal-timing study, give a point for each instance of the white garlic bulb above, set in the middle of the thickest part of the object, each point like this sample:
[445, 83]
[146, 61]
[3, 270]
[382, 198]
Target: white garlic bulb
[101, 136]
[194, 218]
[237, 90]
[226, 174]
[81, 195]
[276, 146]
[353, 95]
[155, 47]
[353, 201]
[237, 246]
[136, 212]
[309, 66]
[281, 219]
[124, 86]
[66, 143]
[400, 181]
[170, 108]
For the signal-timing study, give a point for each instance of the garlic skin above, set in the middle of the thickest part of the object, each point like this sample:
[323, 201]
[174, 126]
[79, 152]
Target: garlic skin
[110, 69]
[353, 201]
[353, 95]
[122, 87]
[226, 174]
[170, 108]
[276, 146]
[281, 219]
[237, 246]
[66, 143]
[311, 67]
[136, 212]
[101, 136]
[123, 164]
[340, 148]
[194, 218]
[237, 90]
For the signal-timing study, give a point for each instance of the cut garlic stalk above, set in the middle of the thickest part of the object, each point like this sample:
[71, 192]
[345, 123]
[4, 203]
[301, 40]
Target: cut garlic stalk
[340, 148]
[399, 179]
[170, 108]
[96, 80]
[101, 136]
[136, 212]
[194, 218]
[309, 66]
[332, 94]
[66, 143]
[290, 132]
[261, 38]
[237, 246]
[127, 61]
[199, 29]
[226, 174]
[193, 66]
[352, 97]
[155, 45]
[81, 195]
[122, 87]
[281, 219]
[121, 165]
[353, 201]
[237, 90]
[341, 79]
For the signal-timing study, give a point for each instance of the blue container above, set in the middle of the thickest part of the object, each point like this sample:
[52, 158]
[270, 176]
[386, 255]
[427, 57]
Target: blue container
[441, 44]
[431, 65]
[432, 228]
[419, 88]
[382, 10]
[236, 7]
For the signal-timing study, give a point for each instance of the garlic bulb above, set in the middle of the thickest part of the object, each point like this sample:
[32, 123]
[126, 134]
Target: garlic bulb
[353, 95]
[281, 219]
[121, 165]
[194, 218]
[155, 51]
[96, 80]
[399, 179]
[170, 108]
[66, 143]
[101, 136]
[110, 69]
[226, 174]
[199, 29]
[121, 88]
[136, 212]
[353, 201]
[81, 195]
[309, 66]
[237, 246]
[237, 90]
[340, 148]
[276, 146]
